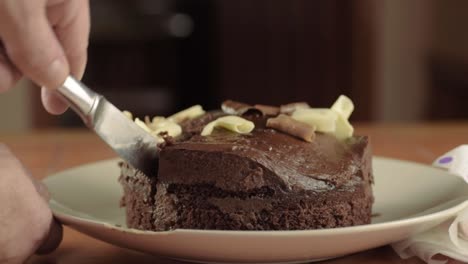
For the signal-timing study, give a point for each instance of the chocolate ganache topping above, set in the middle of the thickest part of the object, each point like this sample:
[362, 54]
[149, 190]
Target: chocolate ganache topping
[264, 157]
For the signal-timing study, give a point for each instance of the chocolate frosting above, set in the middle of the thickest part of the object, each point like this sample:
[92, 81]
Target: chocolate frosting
[264, 157]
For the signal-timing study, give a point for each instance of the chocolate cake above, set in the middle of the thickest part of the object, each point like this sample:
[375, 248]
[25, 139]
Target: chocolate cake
[270, 178]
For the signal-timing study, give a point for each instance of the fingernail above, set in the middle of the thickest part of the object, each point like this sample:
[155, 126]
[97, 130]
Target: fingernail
[53, 102]
[56, 73]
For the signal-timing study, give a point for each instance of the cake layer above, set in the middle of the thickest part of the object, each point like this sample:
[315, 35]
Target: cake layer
[139, 197]
[206, 207]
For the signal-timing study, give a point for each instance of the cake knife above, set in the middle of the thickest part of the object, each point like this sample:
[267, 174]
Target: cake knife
[128, 140]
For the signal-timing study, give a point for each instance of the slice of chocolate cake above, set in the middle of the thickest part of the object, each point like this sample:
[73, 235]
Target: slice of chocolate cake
[249, 169]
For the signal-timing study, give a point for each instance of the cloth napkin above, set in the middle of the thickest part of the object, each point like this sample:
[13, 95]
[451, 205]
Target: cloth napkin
[449, 239]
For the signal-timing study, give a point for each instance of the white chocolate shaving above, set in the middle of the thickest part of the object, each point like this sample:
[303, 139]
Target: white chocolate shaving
[128, 114]
[157, 125]
[322, 118]
[231, 123]
[142, 125]
[160, 124]
[332, 120]
[158, 119]
[189, 113]
[343, 106]
[344, 129]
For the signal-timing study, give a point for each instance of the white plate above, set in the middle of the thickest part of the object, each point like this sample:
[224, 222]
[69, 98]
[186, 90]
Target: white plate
[410, 198]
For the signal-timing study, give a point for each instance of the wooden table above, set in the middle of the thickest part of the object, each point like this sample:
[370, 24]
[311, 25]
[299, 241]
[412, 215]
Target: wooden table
[45, 152]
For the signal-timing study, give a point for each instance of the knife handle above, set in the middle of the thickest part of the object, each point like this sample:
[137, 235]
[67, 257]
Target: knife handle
[82, 99]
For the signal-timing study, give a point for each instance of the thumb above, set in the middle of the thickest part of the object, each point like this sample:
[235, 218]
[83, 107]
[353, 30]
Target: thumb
[55, 234]
[31, 43]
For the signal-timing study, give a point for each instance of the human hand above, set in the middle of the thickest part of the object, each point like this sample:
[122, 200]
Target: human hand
[45, 41]
[26, 222]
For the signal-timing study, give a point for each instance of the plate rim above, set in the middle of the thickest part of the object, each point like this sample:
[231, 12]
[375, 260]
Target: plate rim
[319, 232]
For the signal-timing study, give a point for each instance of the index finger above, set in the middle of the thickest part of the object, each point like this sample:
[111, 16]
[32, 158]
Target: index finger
[31, 43]
[71, 21]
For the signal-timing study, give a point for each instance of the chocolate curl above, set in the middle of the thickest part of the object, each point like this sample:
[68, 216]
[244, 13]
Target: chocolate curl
[237, 108]
[267, 109]
[292, 127]
[234, 108]
[147, 120]
[290, 108]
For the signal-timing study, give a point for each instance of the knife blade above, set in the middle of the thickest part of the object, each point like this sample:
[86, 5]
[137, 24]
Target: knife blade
[128, 140]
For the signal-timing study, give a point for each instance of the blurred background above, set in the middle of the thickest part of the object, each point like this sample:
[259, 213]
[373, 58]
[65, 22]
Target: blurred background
[398, 60]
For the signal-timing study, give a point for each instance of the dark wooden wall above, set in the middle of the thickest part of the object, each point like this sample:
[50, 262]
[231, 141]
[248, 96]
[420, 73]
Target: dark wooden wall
[448, 93]
[276, 52]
